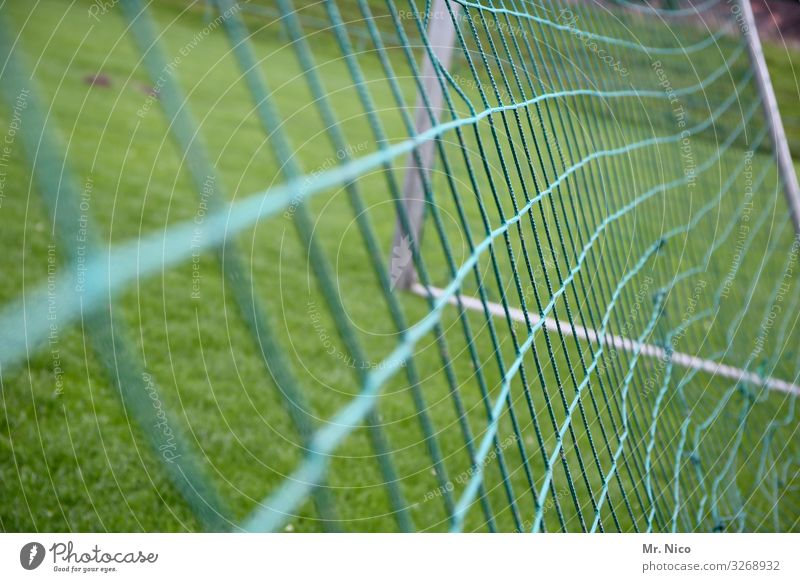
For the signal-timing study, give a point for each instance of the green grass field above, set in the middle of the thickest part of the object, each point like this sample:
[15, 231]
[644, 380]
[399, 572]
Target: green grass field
[71, 459]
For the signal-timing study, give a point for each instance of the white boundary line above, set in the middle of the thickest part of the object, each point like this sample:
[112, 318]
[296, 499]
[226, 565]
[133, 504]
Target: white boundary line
[629, 345]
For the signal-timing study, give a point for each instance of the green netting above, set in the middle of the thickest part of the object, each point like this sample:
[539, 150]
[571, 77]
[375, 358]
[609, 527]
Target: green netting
[601, 331]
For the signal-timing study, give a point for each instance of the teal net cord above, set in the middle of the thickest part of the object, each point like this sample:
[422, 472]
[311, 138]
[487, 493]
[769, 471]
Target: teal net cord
[600, 333]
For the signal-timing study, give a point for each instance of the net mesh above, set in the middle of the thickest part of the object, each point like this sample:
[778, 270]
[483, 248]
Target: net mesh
[549, 278]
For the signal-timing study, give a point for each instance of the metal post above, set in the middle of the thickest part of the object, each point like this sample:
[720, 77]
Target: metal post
[441, 35]
[774, 123]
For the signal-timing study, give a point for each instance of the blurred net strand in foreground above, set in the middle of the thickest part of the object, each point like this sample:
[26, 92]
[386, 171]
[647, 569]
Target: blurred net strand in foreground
[521, 56]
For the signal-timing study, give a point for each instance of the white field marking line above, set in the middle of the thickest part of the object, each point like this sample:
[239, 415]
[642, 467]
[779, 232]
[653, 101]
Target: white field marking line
[680, 358]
